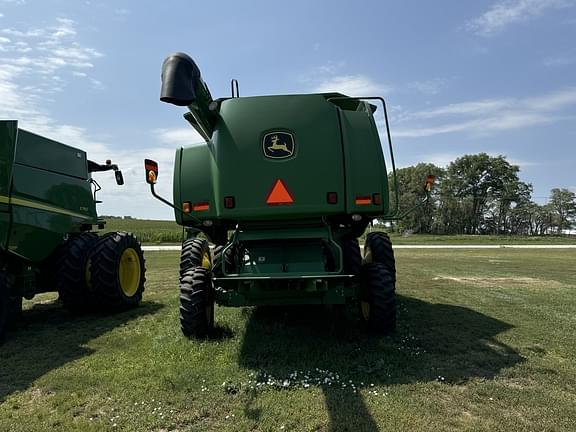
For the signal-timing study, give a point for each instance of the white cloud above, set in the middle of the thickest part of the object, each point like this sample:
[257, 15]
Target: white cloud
[427, 87]
[42, 55]
[559, 61]
[352, 85]
[444, 159]
[54, 55]
[178, 137]
[440, 159]
[508, 12]
[487, 116]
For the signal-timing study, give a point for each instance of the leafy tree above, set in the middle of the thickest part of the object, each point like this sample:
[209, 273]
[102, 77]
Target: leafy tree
[411, 181]
[563, 204]
[475, 181]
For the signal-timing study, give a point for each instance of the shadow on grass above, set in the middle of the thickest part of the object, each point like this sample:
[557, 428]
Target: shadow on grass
[434, 342]
[49, 337]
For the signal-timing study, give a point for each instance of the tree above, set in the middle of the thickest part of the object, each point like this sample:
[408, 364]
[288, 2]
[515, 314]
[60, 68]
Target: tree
[563, 204]
[411, 181]
[476, 182]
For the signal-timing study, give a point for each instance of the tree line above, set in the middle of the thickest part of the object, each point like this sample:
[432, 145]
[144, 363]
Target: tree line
[478, 194]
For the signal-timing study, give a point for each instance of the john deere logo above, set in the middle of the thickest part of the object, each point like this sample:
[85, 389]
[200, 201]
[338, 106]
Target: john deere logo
[278, 145]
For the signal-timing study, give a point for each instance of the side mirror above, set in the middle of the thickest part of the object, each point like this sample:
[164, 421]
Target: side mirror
[151, 171]
[119, 177]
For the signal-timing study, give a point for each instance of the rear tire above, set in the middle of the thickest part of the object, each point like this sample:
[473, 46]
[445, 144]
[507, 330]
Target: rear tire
[73, 273]
[378, 249]
[196, 303]
[195, 253]
[378, 298]
[352, 258]
[118, 271]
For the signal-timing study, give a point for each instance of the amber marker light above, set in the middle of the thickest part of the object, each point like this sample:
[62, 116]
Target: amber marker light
[186, 207]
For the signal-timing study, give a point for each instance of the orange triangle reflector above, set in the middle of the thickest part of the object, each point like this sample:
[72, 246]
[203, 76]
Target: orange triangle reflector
[279, 194]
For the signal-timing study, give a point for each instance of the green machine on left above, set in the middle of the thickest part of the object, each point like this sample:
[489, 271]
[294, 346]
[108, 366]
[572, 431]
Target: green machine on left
[47, 222]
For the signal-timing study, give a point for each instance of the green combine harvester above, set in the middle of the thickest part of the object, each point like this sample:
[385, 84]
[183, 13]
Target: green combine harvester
[283, 187]
[47, 214]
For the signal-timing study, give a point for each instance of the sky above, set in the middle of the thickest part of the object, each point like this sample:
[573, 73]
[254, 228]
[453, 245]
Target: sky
[459, 77]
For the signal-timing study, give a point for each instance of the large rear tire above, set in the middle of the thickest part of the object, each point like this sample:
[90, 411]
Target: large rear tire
[195, 253]
[196, 303]
[73, 273]
[352, 259]
[118, 271]
[378, 249]
[378, 298]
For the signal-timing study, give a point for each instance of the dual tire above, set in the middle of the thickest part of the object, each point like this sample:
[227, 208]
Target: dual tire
[196, 289]
[378, 284]
[105, 272]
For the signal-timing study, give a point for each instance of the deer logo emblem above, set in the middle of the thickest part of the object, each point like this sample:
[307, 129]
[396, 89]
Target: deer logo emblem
[278, 145]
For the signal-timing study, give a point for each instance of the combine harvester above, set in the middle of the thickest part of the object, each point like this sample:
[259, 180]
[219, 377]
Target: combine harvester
[47, 214]
[283, 187]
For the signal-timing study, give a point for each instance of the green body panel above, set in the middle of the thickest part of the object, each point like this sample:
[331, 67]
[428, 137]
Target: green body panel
[196, 164]
[36, 151]
[8, 136]
[45, 193]
[325, 136]
[365, 166]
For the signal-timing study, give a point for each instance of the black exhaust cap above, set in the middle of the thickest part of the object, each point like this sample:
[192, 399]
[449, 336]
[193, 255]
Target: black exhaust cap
[179, 78]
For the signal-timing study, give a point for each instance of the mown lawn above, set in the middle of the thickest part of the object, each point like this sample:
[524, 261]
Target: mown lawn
[485, 343]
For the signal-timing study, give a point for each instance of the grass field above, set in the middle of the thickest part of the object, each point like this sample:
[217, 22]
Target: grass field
[150, 231]
[485, 343]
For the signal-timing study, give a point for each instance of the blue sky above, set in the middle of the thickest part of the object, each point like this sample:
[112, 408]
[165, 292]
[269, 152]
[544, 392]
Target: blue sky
[459, 77]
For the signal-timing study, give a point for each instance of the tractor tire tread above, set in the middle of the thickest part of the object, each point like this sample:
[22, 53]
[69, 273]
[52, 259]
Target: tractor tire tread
[379, 289]
[104, 268]
[195, 293]
[381, 249]
[71, 272]
[193, 249]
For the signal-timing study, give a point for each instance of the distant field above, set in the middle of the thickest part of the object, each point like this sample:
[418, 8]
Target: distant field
[149, 231]
[485, 343]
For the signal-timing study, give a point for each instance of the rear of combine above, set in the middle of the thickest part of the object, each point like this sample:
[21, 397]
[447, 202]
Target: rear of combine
[283, 187]
[47, 214]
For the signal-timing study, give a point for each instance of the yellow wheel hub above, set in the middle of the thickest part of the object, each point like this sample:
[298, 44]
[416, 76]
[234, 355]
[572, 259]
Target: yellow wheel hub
[129, 272]
[206, 261]
[365, 308]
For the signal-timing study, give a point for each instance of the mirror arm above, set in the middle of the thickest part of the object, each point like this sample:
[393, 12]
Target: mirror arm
[169, 204]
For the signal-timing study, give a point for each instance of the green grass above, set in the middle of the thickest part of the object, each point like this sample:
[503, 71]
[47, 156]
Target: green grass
[481, 239]
[485, 343]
